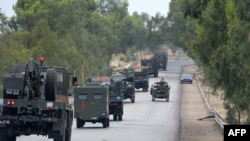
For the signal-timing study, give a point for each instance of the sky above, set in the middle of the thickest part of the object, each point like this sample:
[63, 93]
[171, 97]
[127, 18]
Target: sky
[150, 7]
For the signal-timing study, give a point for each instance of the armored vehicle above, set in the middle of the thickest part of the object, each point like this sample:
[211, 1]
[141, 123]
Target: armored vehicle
[141, 78]
[152, 65]
[126, 76]
[91, 104]
[162, 59]
[116, 98]
[35, 101]
[160, 90]
[115, 95]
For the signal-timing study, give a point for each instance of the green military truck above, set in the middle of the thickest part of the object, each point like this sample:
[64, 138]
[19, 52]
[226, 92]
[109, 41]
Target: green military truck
[152, 65]
[162, 59]
[116, 97]
[115, 94]
[127, 87]
[141, 77]
[91, 104]
[36, 101]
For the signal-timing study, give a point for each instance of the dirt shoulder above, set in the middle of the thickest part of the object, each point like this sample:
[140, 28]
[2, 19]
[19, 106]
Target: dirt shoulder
[194, 108]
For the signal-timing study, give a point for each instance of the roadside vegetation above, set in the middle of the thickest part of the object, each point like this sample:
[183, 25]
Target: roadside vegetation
[84, 34]
[215, 33]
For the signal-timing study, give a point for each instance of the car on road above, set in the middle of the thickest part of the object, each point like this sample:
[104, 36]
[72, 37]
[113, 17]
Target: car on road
[186, 78]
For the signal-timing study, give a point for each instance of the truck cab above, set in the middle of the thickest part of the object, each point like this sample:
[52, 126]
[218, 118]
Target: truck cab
[34, 103]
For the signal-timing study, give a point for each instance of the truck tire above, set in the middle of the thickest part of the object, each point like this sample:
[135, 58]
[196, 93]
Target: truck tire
[59, 137]
[133, 100]
[3, 134]
[4, 137]
[68, 134]
[156, 74]
[108, 121]
[79, 123]
[50, 86]
[115, 117]
[120, 117]
[69, 126]
[105, 122]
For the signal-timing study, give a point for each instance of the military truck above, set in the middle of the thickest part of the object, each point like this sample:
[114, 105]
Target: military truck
[115, 95]
[126, 76]
[35, 101]
[91, 104]
[162, 59]
[116, 98]
[152, 65]
[141, 77]
[160, 90]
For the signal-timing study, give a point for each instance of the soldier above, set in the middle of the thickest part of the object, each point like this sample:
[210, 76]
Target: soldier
[163, 81]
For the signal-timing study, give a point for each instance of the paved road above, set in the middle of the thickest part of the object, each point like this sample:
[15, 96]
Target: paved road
[143, 120]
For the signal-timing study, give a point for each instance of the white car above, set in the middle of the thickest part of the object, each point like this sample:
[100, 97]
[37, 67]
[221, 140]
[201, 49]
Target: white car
[186, 78]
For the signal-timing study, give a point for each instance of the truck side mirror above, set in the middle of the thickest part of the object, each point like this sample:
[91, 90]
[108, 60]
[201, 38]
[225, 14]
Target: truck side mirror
[74, 81]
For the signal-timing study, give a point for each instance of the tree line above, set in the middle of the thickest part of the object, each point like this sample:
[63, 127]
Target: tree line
[215, 33]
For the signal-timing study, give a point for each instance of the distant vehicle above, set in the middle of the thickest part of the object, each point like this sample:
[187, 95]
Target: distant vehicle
[160, 90]
[152, 65]
[162, 59]
[186, 78]
[91, 104]
[141, 78]
[126, 76]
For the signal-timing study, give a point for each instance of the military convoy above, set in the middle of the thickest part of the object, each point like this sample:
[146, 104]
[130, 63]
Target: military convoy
[160, 90]
[91, 104]
[35, 101]
[141, 77]
[36, 98]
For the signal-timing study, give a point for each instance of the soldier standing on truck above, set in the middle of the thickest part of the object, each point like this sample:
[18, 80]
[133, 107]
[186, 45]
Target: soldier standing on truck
[162, 80]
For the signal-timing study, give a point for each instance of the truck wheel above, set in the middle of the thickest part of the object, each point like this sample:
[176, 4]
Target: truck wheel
[115, 117]
[108, 121]
[3, 134]
[12, 138]
[4, 137]
[133, 100]
[68, 131]
[120, 117]
[79, 123]
[156, 74]
[59, 137]
[50, 86]
[164, 68]
[143, 89]
[105, 123]
[167, 99]
[153, 99]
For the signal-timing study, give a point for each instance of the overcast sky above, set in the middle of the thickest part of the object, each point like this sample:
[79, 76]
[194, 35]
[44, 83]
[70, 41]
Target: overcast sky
[150, 7]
